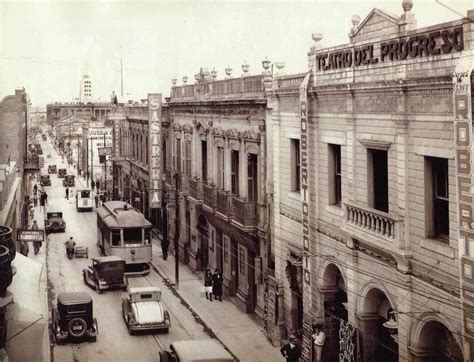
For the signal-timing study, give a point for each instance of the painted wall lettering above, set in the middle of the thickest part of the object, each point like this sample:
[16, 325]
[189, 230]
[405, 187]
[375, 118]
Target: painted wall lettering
[438, 42]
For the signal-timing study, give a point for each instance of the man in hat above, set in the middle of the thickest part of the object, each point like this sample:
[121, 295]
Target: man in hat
[291, 351]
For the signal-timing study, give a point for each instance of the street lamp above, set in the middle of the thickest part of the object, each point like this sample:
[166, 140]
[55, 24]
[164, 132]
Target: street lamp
[268, 72]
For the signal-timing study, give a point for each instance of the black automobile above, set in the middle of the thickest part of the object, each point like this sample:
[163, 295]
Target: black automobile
[54, 222]
[73, 319]
[106, 272]
[45, 180]
[62, 172]
[52, 169]
[68, 181]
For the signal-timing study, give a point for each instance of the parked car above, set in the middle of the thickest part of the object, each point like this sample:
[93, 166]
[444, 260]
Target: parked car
[54, 223]
[62, 172]
[73, 319]
[196, 350]
[44, 137]
[143, 311]
[52, 169]
[106, 272]
[39, 151]
[68, 181]
[45, 180]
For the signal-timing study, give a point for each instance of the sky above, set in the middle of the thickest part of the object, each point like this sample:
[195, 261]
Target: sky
[45, 46]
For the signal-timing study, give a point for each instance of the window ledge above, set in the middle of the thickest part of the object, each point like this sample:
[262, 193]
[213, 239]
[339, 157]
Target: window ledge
[335, 209]
[295, 195]
[438, 246]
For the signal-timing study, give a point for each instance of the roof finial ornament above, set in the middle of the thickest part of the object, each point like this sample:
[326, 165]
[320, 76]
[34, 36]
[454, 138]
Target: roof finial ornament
[355, 23]
[407, 5]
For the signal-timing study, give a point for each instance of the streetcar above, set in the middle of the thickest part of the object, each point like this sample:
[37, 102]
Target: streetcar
[84, 200]
[123, 231]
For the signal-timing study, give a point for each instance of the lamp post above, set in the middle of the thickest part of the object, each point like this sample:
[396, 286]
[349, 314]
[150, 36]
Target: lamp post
[268, 72]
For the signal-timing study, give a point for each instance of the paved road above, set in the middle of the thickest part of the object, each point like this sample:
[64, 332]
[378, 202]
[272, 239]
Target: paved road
[64, 275]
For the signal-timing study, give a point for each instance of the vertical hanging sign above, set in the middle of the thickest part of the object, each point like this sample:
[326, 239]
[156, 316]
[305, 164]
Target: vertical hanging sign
[305, 210]
[462, 98]
[154, 141]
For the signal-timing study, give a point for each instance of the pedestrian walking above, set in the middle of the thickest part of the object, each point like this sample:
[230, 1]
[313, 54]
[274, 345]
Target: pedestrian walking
[96, 198]
[31, 211]
[42, 202]
[92, 185]
[291, 351]
[318, 340]
[102, 199]
[217, 284]
[36, 244]
[97, 184]
[67, 193]
[24, 248]
[35, 200]
[35, 189]
[164, 247]
[208, 284]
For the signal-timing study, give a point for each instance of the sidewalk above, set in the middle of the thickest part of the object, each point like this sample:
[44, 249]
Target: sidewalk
[236, 330]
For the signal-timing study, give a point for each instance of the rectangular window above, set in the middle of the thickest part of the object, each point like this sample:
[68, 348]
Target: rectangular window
[436, 198]
[295, 165]
[178, 155]
[132, 236]
[188, 158]
[378, 179]
[252, 182]
[235, 172]
[334, 174]
[204, 160]
[220, 168]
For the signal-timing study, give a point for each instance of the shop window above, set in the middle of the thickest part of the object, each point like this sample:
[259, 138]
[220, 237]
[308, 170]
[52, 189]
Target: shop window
[204, 160]
[116, 239]
[377, 174]
[252, 179]
[436, 198]
[235, 172]
[295, 165]
[220, 168]
[334, 174]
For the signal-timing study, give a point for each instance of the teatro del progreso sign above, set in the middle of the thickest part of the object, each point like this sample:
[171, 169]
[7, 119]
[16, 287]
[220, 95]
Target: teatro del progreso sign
[437, 42]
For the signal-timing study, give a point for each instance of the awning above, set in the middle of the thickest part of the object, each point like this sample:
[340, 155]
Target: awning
[27, 319]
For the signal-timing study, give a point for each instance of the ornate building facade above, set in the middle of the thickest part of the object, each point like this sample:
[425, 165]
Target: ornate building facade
[369, 238]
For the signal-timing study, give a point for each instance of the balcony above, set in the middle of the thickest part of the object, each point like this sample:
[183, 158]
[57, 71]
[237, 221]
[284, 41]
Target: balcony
[379, 228]
[223, 203]
[210, 195]
[245, 213]
[195, 189]
[289, 82]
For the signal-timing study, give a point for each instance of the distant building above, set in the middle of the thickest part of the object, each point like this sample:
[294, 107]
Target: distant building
[85, 89]
[95, 111]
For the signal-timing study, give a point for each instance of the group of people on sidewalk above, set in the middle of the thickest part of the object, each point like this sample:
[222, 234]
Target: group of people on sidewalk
[292, 351]
[213, 284]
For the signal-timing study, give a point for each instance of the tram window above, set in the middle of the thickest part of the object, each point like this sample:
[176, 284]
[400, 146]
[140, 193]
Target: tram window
[147, 237]
[116, 238]
[132, 236]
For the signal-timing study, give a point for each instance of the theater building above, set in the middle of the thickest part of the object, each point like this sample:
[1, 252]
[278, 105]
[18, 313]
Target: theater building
[372, 168]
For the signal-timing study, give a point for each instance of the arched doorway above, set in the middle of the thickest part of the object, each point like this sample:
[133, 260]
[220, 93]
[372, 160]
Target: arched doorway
[379, 343]
[436, 343]
[334, 294]
[203, 249]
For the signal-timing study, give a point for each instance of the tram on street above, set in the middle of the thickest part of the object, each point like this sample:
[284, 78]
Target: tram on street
[84, 200]
[123, 231]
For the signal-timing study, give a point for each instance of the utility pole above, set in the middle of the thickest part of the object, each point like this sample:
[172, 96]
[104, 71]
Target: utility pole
[92, 160]
[176, 232]
[87, 161]
[121, 77]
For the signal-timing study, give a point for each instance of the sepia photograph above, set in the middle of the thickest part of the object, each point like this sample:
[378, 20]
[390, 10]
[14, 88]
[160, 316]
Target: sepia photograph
[246, 180]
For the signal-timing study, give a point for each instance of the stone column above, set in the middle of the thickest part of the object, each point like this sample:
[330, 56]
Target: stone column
[368, 324]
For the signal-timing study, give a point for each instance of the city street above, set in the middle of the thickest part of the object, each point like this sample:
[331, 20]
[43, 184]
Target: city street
[64, 275]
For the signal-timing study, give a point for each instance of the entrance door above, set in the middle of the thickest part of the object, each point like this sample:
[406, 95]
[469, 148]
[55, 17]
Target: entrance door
[219, 250]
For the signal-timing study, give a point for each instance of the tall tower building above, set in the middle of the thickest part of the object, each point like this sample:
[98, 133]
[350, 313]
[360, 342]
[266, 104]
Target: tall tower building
[85, 91]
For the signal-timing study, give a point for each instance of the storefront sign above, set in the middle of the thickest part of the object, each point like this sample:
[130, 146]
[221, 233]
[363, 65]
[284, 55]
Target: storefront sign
[154, 119]
[304, 152]
[462, 98]
[438, 42]
[116, 138]
[30, 235]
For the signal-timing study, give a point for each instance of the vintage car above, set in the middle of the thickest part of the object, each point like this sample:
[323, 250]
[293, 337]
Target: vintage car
[45, 180]
[39, 151]
[143, 311]
[196, 350]
[62, 172]
[72, 318]
[54, 223]
[52, 169]
[68, 181]
[44, 137]
[106, 272]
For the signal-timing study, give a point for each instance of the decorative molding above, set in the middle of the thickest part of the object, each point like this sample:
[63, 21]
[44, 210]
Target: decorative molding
[376, 144]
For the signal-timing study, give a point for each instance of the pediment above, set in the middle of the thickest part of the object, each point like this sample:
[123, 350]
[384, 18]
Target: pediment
[377, 20]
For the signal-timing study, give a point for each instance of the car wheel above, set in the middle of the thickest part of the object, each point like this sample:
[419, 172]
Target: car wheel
[77, 327]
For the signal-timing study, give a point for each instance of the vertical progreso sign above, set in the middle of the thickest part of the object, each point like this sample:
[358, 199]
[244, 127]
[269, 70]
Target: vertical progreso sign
[305, 211]
[462, 98]
[154, 142]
